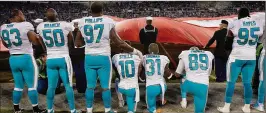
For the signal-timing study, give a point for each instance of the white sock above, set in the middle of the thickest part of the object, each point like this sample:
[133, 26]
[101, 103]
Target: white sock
[89, 110]
[261, 104]
[247, 105]
[50, 110]
[184, 99]
[227, 105]
[107, 109]
[72, 111]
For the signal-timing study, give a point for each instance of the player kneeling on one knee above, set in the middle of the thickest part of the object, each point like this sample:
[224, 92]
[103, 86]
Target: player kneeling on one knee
[197, 65]
[156, 66]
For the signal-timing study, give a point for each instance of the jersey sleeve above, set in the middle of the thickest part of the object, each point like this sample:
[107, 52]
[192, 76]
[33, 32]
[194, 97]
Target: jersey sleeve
[80, 23]
[112, 23]
[28, 26]
[166, 59]
[38, 29]
[181, 67]
[114, 59]
[144, 59]
[181, 55]
[69, 27]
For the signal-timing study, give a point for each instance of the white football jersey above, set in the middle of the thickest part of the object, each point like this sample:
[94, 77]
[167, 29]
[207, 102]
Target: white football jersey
[246, 33]
[262, 55]
[96, 34]
[15, 36]
[196, 64]
[154, 68]
[54, 35]
[127, 66]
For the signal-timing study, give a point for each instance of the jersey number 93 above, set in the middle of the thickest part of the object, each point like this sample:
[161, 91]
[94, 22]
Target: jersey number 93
[6, 37]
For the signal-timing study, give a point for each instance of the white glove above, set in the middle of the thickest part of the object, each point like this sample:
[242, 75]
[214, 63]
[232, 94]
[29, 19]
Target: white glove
[137, 52]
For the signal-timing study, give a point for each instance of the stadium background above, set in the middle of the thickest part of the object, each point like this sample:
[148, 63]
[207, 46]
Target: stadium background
[176, 35]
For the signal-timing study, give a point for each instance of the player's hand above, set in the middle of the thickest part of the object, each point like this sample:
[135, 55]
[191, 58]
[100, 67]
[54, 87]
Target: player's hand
[137, 52]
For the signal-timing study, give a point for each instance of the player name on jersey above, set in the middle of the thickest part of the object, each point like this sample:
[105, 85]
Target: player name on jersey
[51, 25]
[93, 20]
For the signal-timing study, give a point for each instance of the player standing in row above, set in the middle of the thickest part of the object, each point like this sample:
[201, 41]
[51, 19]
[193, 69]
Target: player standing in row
[57, 36]
[97, 31]
[245, 32]
[18, 37]
[259, 105]
[129, 68]
[156, 67]
[197, 65]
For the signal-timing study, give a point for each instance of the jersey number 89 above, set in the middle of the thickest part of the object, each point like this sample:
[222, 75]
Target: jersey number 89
[198, 61]
[244, 33]
[126, 71]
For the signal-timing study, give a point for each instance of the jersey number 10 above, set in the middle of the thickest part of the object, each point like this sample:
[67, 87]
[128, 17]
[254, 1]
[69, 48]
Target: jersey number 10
[198, 61]
[126, 71]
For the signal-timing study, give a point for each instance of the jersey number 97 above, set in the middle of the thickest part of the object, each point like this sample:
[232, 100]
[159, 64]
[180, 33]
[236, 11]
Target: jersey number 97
[89, 31]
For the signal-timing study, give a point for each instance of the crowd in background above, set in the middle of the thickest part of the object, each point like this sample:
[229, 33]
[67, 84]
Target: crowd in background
[71, 10]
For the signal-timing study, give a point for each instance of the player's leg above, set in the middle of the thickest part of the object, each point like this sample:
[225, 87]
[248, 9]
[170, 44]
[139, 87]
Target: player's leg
[105, 76]
[200, 97]
[119, 94]
[183, 95]
[233, 70]
[130, 98]
[247, 74]
[91, 77]
[18, 81]
[66, 72]
[259, 105]
[53, 76]
[30, 74]
[152, 92]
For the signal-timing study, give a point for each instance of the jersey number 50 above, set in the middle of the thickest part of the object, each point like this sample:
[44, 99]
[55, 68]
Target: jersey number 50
[127, 71]
[6, 37]
[244, 33]
[196, 61]
[47, 36]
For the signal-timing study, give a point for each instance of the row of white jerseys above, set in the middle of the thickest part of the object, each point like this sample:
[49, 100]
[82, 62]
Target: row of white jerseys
[15, 35]
[154, 66]
[55, 37]
[246, 33]
[96, 34]
[196, 64]
[127, 66]
[261, 66]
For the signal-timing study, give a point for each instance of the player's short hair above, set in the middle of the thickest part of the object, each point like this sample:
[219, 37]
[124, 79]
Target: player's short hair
[96, 7]
[153, 48]
[243, 12]
[14, 12]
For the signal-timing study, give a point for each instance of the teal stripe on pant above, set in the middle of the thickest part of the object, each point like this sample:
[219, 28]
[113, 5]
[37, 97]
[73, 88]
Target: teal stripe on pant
[56, 68]
[246, 68]
[152, 92]
[261, 92]
[130, 98]
[264, 74]
[97, 66]
[24, 73]
[199, 92]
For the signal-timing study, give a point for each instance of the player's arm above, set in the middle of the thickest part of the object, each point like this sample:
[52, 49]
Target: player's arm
[35, 39]
[167, 71]
[121, 44]
[70, 40]
[140, 75]
[3, 42]
[180, 69]
[79, 42]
